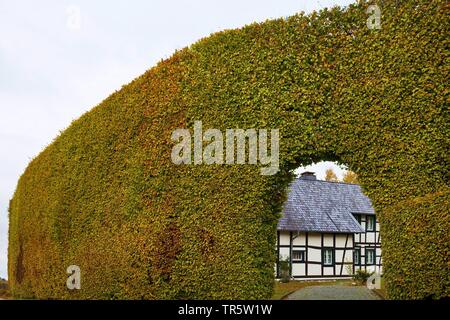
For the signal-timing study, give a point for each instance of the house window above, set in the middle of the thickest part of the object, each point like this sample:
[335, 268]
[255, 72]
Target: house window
[370, 256]
[357, 256]
[357, 217]
[298, 256]
[327, 257]
[370, 223]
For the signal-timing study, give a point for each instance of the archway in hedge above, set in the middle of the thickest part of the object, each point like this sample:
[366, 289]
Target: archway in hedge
[106, 196]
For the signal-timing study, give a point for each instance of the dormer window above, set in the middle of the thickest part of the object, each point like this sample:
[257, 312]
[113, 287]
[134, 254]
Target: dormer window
[357, 217]
[370, 223]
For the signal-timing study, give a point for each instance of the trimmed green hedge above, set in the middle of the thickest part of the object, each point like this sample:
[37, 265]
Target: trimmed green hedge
[419, 233]
[105, 195]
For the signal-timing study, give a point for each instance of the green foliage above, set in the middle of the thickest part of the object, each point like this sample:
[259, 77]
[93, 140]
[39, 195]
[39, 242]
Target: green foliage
[362, 276]
[331, 176]
[4, 288]
[418, 232]
[350, 177]
[285, 270]
[105, 195]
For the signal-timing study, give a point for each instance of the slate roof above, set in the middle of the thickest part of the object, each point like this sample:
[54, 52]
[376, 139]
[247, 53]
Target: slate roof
[322, 206]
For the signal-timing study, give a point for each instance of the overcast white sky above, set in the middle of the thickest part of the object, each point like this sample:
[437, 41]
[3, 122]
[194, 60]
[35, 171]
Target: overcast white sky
[55, 66]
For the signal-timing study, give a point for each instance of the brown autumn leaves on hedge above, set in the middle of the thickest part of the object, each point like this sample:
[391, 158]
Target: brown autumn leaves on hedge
[105, 195]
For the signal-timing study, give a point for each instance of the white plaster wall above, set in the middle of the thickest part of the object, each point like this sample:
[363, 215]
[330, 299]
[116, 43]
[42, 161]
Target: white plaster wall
[314, 255]
[284, 253]
[339, 253]
[378, 251]
[328, 271]
[314, 270]
[348, 256]
[327, 240]
[340, 240]
[298, 269]
[370, 268]
[300, 240]
[314, 239]
[284, 238]
[345, 269]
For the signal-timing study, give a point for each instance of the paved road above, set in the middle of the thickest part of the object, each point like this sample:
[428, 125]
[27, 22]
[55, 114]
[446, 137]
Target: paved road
[337, 292]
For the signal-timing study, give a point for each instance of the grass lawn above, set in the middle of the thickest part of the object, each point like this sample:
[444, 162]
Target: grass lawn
[282, 289]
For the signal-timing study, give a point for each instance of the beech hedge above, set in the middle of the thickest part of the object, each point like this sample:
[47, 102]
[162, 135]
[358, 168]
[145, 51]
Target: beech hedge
[105, 195]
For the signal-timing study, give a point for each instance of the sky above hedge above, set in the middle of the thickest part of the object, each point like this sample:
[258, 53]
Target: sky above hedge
[54, 69]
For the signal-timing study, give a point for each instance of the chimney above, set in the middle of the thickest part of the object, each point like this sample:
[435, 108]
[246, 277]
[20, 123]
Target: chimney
[308, 175]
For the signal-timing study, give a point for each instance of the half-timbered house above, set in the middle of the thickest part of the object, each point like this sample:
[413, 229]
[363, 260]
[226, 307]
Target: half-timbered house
[328, 230]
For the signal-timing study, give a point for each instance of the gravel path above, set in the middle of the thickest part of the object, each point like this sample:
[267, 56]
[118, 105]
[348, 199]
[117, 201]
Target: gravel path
[337, 292]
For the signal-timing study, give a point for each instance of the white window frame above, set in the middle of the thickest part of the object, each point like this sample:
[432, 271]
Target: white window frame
[373, 221]
[326, 262]
[370, 263]
[301, 253]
